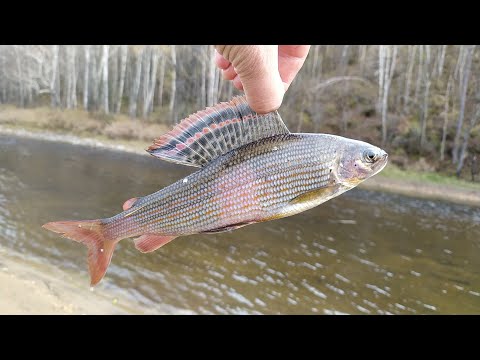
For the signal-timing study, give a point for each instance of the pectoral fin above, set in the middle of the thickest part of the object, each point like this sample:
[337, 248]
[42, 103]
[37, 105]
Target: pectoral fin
[314, 195]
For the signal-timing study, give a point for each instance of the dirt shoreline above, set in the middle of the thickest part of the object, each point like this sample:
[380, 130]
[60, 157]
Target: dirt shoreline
[29, 287]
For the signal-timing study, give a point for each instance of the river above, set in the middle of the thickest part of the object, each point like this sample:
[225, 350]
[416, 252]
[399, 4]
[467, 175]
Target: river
[363, 252]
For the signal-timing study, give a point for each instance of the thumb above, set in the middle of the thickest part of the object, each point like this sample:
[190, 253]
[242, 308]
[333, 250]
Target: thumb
[257, 68]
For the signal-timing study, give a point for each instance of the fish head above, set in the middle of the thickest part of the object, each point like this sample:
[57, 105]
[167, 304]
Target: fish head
[358, 161]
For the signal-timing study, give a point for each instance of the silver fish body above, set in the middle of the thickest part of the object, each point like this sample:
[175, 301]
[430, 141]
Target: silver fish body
[252, 169]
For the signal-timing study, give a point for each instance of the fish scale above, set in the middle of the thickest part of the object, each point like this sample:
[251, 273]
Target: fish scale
[209, 200]
[252, 169]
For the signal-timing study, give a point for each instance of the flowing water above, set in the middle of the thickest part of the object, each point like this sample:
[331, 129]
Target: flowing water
[361, 253]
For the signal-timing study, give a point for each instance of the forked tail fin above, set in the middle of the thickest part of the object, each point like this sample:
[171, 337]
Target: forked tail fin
[91, 233]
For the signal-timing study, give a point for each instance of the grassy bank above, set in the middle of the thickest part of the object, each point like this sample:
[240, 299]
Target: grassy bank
[122, 133]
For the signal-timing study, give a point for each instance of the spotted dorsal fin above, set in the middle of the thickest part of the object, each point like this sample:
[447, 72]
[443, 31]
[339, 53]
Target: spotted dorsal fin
[212, 132]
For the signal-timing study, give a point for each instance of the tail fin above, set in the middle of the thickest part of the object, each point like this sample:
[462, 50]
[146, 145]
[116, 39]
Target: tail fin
[90, 233]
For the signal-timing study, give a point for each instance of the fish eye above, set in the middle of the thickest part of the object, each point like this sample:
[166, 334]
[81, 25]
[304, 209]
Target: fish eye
[369, 156]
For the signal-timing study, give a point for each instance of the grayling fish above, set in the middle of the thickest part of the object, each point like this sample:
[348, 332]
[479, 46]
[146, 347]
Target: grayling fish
[252, 169]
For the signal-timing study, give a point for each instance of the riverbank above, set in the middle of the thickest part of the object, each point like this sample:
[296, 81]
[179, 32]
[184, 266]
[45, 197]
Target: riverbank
[54, 292]
[391, 179]
[59, 292]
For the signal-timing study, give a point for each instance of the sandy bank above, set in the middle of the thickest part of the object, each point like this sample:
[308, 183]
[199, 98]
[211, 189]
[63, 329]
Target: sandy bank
[424, 190]
[28, 287]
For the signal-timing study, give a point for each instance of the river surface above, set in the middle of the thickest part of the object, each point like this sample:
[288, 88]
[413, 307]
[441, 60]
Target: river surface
[363, 252]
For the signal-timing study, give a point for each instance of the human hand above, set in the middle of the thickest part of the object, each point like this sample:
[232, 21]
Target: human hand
[264, 72]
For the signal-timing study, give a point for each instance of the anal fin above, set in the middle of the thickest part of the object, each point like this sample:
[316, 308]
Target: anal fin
[151, 242]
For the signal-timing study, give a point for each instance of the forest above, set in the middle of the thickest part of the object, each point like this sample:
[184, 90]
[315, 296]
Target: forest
[420, 102]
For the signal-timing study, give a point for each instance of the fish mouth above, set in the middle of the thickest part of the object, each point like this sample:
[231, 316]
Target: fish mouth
[381, 163]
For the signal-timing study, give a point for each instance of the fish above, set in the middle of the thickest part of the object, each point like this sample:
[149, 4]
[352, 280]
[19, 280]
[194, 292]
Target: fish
[252, 169]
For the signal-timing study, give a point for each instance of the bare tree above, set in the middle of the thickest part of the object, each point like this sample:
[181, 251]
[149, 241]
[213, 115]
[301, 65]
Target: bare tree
[427, 82]
[203, 71]
[105, 78]
[411, 60]
[173, 89]
[211, 77]
[465, 71]
[85, 76]
[123, 67]
[161, 80]
[150, 82]
[466, 134]
[445, 118]
[387, 59]
[132, 108]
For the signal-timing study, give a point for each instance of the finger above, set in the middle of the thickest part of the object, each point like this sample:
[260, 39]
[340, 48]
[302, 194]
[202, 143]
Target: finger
[229, 73]
[290, 60]
[237, 83]
[220, 61]
[258, 74]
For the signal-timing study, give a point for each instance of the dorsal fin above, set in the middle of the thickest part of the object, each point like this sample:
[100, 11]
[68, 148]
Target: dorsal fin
[212, 132]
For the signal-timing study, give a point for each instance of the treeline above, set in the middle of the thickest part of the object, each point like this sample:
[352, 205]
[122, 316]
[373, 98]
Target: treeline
[417, 100]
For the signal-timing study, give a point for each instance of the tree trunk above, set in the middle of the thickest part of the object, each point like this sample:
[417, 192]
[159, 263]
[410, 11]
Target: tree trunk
[381, 75]
[94, 80]
[105, 78]
[466, 137]
[363, 56]
[441, 61]
[85, 77]
[445, 119]
[389, 59]
[344, 60]
[419, 74]
[161, 81]
[113, 88]
[20, 76]
[151, 83]
[203, 61]
[211, 77]
[68, 75]
[132, 108]
[463, 97]
[146, 65]
[427, 82]
[411, 62]
[123, 67]
[73, 91]
[173, 89]
[4, 80]
[460, 62]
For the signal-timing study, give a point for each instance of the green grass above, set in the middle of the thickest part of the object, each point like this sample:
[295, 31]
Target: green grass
[394, 172]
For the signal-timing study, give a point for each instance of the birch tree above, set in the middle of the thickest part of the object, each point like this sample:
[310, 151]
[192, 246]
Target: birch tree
[408, 76]
[161, 80]
[132, 108]
[445, 118]
[211, 77]
[466, 134]
[427, 83]
[105, 78]
[173, 56]
[465, 72]
[387, 58]
[85, 76]
[123, 68]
